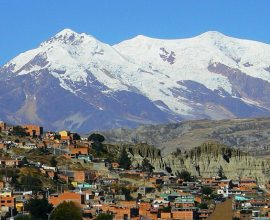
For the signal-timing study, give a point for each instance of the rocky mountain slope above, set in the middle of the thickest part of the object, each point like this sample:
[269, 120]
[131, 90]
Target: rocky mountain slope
[75, 81]
[207, 160]
[250, 135]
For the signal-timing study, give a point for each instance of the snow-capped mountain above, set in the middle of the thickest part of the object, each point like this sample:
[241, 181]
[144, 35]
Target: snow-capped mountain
[75, 81]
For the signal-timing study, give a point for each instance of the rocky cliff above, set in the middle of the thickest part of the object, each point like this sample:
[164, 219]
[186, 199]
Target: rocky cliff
[209, 158]
[206, 161]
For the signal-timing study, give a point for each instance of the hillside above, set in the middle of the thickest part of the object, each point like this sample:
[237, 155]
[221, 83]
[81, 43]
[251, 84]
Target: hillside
[209, 158]
[250, 135]
[206, 160]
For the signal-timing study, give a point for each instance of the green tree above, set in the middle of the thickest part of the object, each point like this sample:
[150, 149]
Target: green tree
[19, 131]
[17, 140]
[23, 217]
[245, 211]
[221, 173]
[38, 208]
[127, 193]
[57, 136]
[167, 209]
[185, 175]
[66, 210]
[146, 166]
[203, 206]
[53, 162]
[99, 148]
[28, 181]
[104, 216]
[97, 144]
[24, 161]
[124, 160]
[96, 138]
[206, 190]
[76, 137]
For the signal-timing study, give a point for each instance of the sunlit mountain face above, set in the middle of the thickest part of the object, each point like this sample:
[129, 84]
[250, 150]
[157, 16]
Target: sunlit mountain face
[76, 82]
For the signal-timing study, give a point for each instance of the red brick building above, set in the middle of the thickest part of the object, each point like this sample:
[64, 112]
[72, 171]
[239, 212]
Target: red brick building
[7, 201]
[67, 196]
[33, 130]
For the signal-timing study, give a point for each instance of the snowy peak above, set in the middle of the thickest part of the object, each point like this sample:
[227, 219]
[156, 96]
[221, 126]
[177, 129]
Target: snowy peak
[67, 49]
[207, 76]
[66, 32]
[212, 35]
[69, 37]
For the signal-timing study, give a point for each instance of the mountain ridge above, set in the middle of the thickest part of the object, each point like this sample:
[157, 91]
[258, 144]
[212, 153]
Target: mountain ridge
[138, 81]
[247, 135]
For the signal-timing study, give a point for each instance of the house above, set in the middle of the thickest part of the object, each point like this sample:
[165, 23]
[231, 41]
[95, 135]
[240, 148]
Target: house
[3, 126]
[75, 176]
[185, 201]
[160, 202]
[144, 210]
[204, 213]
[75, 151]
[165, 215]
[28, 146]
[33, 130]
[248, 182]
[65, 135]
[183, 215]
[209, 181]
[45, 167]
[87, 158]
[123, 210]
[20, 202]
[56, 199]
[7, 201]
[225, 183]
[10, 162]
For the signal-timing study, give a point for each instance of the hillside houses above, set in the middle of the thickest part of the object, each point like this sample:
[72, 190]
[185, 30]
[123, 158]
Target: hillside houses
[68, 168]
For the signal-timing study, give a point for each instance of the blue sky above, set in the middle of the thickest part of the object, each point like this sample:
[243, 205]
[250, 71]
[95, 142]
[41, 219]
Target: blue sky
[24, 24]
